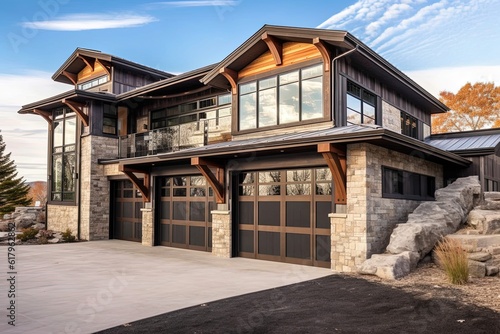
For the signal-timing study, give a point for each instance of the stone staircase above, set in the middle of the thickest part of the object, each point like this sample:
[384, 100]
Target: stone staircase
[481, 237]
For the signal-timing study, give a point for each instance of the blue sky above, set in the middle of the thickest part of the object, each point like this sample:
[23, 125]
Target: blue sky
[440, 44]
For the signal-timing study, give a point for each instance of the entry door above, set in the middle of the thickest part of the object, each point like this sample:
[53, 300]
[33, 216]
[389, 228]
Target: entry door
[282, 215]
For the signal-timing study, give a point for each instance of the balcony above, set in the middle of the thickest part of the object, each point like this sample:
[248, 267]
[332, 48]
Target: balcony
[175, 138]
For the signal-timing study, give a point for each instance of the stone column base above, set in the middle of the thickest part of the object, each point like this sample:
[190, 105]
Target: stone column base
[148, 236]
[221, 233]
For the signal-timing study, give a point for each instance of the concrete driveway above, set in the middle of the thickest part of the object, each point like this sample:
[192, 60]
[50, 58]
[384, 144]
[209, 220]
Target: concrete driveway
[89, 286]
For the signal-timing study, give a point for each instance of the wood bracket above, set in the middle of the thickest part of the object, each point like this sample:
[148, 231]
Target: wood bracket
[144, 186]
[325, 53]
[47, 115]
[104, 65]
[232, 77]
[275, 47]
[217, 181]
[335, 158]
[90, 62]
[79, 109]
[71, 76]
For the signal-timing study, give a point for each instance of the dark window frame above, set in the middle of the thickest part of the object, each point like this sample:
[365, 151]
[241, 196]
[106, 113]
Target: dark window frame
[409, 185]
[365, 96]
[109, 113]
[407, 128]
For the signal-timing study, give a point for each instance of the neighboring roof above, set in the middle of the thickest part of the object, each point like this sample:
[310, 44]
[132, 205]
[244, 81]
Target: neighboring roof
[468, 143]
[255, 46]
[75, 63]
[337, 135]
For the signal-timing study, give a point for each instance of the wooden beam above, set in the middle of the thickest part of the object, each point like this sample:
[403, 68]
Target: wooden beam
[325, 53]
[144, 187]
[336, 160]
[232, 77]
[78, 108]
[71, 76]
[45, 114]
[275, 47]
[90, 62]
[105, 66]
[217, 181]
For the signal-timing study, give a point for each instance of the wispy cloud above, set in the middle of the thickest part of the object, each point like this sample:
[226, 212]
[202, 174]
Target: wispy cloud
[200, 3]
[79, 22]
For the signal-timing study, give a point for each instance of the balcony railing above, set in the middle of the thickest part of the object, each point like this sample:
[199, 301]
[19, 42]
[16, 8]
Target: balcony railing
[175, 138]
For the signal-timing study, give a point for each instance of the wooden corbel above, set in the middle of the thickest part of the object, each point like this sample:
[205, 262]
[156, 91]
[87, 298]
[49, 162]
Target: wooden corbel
[325, 53]
[232, 77]
[78, 108]
[275, 47]
[144, 187]
[47, 115]
[336, 160]
[104, 66]
[90, 62]
[216, 181]
[71, 76]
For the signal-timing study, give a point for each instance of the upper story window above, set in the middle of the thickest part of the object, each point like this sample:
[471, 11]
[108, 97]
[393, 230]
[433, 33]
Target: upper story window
[63, 156]
[409, 125]
[109, 120]
[286, 98]
[94, 82]
[361, 105]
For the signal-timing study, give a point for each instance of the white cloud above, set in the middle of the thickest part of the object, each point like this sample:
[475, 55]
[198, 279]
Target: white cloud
[201, 3]
[26, 135]
[79, 22]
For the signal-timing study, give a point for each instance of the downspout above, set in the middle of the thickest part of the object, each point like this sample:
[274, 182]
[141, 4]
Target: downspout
[335, 97]
[78, 180]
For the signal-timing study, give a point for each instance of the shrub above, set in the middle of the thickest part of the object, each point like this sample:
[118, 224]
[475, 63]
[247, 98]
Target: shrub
[42, 240]
[48, 234]
[453, 259]
[67, 236]
[27, 234]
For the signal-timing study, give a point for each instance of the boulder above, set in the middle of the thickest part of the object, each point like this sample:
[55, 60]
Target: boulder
[492, 270]
[7, 216]
[480, 257]
[4, 226]
[485, 221]
[463, 191]
[416, 237]
[477, 269]
[389, 266]
[25, 220]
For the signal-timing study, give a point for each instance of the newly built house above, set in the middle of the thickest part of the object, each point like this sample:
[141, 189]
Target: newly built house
[301, 146]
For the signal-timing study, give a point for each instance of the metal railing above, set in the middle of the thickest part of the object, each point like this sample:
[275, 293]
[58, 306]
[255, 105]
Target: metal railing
[175, 138]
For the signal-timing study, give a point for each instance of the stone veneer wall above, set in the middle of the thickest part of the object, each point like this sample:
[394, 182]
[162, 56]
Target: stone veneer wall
[95, 187]
[391, 117]
[61, 217]
[370, 218]
[221, 233]
[148, 236]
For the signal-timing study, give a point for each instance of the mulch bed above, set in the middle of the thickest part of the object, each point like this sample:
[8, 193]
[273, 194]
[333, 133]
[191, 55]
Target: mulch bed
[333, 304]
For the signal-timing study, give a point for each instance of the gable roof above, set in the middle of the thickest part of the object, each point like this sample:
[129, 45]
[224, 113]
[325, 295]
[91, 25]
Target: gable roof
[468, 143]
[79, 58]
[255, 46]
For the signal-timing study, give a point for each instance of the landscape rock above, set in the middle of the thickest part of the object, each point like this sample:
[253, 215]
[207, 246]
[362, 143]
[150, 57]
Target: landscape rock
[4, 226]
[25, 220]
[464, 191]
[485, 221]
[480, 257]
[477, 269]
[389, 266]
[416, 237]
[6, 216]
[53, 240]
[492, 270]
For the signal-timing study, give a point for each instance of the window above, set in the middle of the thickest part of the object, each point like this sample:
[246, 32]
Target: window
[109, 119]
[94, 82]
[409, 125]
[286, 98]
[63, 156]
[397, 183]
[361, 105]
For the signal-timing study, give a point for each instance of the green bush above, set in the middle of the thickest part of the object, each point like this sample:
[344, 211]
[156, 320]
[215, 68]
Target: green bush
[453, 259]
[67, 236]
[27, 234]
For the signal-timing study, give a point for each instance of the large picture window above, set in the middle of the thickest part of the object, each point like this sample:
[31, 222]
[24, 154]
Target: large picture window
[286, 98]
[361, 105]
[63, 156]
[397, 183]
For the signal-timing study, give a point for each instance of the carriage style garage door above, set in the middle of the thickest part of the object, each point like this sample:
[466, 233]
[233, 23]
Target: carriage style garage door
[183, 212]
[126, 221]
[282, 215]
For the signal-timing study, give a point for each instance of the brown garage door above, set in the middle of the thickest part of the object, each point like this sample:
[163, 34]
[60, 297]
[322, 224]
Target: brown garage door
[282, 215]
[127, 215]
[184, 218]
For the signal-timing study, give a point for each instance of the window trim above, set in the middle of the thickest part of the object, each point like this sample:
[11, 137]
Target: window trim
[362, 89]
[406, 116]
[79, 85]
[406, 185]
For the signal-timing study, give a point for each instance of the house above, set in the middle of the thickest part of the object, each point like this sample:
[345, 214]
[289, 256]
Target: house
[302, 146]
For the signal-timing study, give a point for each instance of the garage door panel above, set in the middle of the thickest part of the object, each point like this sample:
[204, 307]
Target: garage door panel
[323, 246]
[269, 213]
[178, 234]
[197, 236]
[179, 212]
[298, 214]
[298, 246]
[322, 211]
[246, 213]
[269, 243]
[246, 241]
[197, 211]
[126, 218]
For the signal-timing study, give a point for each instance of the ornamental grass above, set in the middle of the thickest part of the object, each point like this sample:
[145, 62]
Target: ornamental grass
[453, 259]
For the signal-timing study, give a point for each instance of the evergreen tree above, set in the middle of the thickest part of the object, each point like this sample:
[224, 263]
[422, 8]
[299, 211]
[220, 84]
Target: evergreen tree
[13, 190]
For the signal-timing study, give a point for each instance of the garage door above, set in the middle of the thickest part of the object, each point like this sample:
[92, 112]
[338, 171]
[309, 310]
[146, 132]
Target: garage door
[282, 215]
[126, 219]
[184, 218]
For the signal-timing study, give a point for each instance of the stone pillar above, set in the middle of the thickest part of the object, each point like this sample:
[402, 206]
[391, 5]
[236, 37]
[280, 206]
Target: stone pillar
[148, 235]
[221, 233]
[340, 242]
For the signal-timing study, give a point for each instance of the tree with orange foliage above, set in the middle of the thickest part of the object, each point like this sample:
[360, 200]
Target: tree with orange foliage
[38, 192]
[473, 107]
